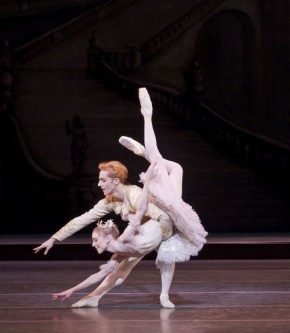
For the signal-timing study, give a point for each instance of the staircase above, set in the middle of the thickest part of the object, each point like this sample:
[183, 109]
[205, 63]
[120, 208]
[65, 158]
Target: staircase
[54, 86]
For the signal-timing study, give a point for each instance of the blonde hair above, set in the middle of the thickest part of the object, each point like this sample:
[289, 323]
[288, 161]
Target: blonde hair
[113, 230]
[116, 170]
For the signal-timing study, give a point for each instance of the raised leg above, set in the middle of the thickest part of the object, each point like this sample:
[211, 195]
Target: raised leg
[173, 169]
[133, 145]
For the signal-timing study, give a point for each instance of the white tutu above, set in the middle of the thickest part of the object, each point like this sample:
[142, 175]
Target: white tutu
[190, 237]
[177, 249]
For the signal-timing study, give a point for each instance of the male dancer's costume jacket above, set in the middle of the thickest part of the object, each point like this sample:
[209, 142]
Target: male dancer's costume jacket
[110, 204]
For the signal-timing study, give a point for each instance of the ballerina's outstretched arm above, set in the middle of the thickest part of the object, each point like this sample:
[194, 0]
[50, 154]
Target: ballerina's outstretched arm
[105, 270]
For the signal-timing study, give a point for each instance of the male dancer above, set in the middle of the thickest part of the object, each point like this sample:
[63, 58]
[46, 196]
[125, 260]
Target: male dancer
[121, 199]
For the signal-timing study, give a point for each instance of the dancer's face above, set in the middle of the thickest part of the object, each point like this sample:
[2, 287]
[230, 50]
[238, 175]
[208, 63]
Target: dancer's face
[107, 183]
[100, 242]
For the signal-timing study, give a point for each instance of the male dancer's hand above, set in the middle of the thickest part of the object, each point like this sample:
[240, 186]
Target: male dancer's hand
[46, 245]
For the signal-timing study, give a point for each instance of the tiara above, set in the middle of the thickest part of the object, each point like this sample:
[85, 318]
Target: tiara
[104, 225]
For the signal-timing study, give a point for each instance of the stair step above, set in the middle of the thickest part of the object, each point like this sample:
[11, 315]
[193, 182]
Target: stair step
[228, 197]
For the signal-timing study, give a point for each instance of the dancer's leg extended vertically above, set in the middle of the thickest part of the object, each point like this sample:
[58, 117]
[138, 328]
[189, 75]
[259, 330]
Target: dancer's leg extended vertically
[174, 169]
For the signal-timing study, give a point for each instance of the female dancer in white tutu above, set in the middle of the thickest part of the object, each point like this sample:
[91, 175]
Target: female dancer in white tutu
[165, 191]
[163, 180]
[134, 244]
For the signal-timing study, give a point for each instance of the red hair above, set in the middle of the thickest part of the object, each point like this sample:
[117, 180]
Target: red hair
[116, 170]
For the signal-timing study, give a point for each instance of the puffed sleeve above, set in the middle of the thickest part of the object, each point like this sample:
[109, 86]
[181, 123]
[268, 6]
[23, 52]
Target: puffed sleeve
[154, 212]
[99, 210]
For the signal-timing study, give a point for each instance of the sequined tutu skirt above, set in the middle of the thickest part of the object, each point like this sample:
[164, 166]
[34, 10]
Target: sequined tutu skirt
[189, 237]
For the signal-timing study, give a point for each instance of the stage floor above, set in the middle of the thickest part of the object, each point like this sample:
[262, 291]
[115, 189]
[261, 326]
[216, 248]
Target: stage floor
[216, 296]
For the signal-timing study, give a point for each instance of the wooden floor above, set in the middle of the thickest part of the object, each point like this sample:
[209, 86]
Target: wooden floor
[210, 296]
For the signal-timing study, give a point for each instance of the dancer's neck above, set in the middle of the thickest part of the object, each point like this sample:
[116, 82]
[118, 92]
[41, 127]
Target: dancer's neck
[119, 192]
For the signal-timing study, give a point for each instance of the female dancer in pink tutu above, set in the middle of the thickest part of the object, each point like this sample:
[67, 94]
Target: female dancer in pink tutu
[163, 184]
[165, 191]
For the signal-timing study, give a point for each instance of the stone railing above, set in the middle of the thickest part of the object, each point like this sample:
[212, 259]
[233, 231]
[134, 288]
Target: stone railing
[10, 8]
[245, 147]
[16, 159]
[39, 182]
[200, 10]
[54, 36]
[131, 57]
[123, 59]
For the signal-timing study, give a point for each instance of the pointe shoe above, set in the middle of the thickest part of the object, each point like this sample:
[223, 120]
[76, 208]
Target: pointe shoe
[90, 302]
[133, 145]
[166, 303]
[145, 101]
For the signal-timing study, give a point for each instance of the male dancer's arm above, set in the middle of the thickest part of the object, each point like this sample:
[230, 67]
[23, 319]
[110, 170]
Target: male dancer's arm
[99, 210]
[135, 220]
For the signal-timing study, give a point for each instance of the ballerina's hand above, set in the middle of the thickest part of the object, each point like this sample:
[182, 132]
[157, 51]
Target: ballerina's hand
[64, 295]
[142, 177]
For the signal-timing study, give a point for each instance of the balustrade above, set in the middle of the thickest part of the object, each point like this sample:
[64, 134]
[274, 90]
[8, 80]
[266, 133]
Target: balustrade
[246, 147]
[28, 7]
[132, 57]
